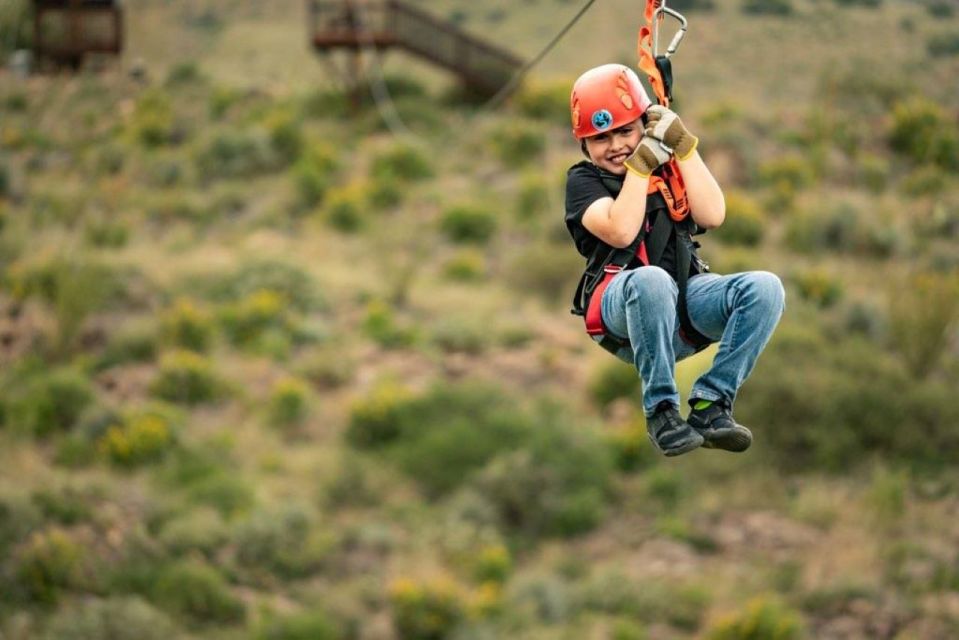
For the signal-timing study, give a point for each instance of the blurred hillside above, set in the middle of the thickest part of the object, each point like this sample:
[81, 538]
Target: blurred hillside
[277, 366]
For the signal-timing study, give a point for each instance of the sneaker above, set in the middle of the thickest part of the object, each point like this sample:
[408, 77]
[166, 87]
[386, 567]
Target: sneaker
[669, 433]
[715, 423]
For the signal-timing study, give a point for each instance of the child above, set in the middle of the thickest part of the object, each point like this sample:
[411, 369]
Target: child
[665, 311]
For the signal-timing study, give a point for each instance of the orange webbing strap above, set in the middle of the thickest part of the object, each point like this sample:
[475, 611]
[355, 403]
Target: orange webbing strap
[644, 49]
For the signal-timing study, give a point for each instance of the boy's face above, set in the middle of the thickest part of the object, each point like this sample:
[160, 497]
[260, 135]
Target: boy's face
[610, 149]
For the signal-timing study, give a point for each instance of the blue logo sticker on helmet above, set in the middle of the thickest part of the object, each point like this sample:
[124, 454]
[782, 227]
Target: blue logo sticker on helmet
[602, 119]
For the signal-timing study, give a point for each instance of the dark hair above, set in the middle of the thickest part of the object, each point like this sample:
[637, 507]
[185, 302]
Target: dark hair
[582, 146]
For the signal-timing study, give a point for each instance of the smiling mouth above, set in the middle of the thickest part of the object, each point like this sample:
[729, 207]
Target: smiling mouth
[619, 159]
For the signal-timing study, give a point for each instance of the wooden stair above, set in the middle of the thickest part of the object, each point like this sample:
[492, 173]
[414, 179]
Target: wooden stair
[346, 24]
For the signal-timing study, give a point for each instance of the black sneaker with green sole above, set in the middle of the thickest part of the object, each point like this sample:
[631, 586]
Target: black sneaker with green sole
[719, 431]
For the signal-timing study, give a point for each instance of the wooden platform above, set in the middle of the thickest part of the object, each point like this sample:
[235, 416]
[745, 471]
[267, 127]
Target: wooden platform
[65, 31]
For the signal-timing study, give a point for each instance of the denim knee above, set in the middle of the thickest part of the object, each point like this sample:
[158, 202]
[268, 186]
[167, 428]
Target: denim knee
[766, 289]
[651, 285]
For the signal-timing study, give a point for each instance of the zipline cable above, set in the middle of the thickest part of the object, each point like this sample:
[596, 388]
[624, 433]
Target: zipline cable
[510, 86]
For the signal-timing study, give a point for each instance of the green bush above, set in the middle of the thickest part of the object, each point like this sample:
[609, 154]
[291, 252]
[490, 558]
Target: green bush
[116, 618]
[403, 163]
[377, 419]
[142, 438]
[858, 3]
[744, 224]
[249, 319]
[555, 485]
[134, 342]
[381, 326]
[545, 101]
[225, 491]
[313, 174]
[794, 171]
[533, 198]
[541, 271]
[467, 265]
[65, 506]
[923, 132]
[630, 446]
[818, 286]
[467, 334]
[282, 542]
[428, 610]
[286, 280]
[106, 233]
[198, 592]
[345, 208]
[197, 530]
[152, 123]
[188, 326]
[763, 618]
[519, 144]
[941, 8]
[236, 154]
[922, 312]
[5, 180]
[51, 402]
[384, 193]
[310, 625]
[614, 380]
[468, 224]
[286, 135]
[50, 562]
[289, 402]
[186, 377]
[943, 45]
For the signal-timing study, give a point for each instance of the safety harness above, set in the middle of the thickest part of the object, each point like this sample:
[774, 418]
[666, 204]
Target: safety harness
[667, 212]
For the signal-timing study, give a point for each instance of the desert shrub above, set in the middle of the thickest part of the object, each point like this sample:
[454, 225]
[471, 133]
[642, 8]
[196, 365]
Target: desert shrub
[533, 198]
[197, 530]
[65, 506]
[543, 272]
[136, 342]
[236, 154]
[922, 131]
[48, 563]
[554, 485]
[792, 170]
[225, 491]
[186, 377]
[943, 45]
[841, 228]
[289, 402]
[545, 101]
[187, 325]
[380, 324]
[152, 123]
[345, 208]
[384, 193]
[858, 3]
[198, 592]
[493, 563]
[247, 320]
[941, 8]
[291, 283]
[630, 446]
[19, 516]
[925, 180]
[468, 224]
[768, 7]
[614, 380]
[763, 618]
[313, 173]
[5, 180]
[818, 286]
[286, 135]
[459, 334]
[117, 618]
[922, 310]
[462, 425]
[106, 233]
[141, 438]
[403, 163]
[518, 143]
[427, 610]
[891, 416]
[50, 402]
[467, 265]
[309, 625]
[744, 224]
[282, 542]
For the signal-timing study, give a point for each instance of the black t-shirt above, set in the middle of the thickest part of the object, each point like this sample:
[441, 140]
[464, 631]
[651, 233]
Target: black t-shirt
[585, 184]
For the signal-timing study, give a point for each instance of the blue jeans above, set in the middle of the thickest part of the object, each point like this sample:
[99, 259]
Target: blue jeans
[740, 311]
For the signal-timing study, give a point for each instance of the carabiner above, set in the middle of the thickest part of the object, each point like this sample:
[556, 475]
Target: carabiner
[683, 24]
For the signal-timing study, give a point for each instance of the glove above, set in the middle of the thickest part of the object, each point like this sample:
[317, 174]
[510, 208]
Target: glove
[663, 124]
[649, 154]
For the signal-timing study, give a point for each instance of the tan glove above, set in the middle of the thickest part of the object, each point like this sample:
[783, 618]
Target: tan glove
[649, 154]
[663, 124]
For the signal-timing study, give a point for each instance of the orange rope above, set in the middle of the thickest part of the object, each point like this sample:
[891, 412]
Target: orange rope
[644, 48]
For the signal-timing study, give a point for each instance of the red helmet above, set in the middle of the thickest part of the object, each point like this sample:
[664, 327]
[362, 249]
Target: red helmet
[606, 97]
